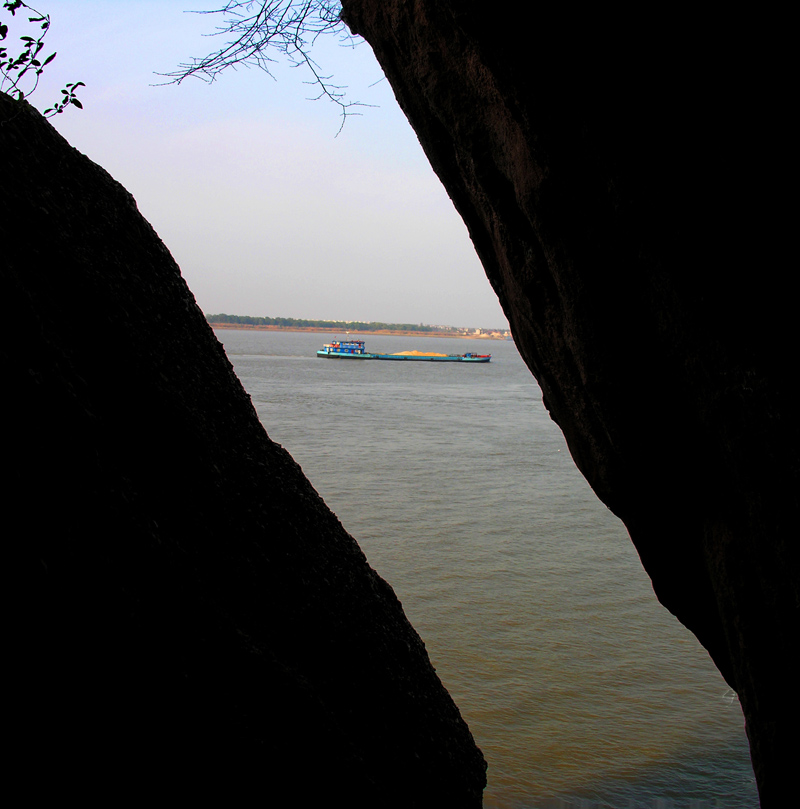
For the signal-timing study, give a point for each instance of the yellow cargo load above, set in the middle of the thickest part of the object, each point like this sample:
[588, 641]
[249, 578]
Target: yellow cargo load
[417, 354]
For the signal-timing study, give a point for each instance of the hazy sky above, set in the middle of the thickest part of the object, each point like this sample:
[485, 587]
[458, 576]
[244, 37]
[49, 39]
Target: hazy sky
[266, 210]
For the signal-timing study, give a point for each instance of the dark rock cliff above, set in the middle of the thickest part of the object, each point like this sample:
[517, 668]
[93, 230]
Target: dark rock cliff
[195, 618]
[622, 179]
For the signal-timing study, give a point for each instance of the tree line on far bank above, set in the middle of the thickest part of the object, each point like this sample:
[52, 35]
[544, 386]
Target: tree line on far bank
[335, 325]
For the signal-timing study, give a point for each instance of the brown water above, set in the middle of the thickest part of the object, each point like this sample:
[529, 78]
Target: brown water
[581, 690]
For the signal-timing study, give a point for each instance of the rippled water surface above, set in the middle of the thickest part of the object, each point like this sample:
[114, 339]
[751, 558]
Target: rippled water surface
[580, 689]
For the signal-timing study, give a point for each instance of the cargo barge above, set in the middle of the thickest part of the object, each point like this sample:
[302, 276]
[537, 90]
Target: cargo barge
[356, 350]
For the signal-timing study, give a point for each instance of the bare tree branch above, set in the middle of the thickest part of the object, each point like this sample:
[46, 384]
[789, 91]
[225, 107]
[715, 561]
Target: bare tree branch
[260, 33]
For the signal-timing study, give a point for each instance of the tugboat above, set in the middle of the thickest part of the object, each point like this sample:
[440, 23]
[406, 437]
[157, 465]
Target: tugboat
[355, 350]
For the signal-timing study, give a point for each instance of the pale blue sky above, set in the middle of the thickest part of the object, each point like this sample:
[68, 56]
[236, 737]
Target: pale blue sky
[264, 208]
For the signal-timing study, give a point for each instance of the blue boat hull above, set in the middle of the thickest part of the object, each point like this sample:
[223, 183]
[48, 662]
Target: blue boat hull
[448, 358]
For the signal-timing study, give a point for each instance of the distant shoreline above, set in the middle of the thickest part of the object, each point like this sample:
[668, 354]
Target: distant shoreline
[471, 336]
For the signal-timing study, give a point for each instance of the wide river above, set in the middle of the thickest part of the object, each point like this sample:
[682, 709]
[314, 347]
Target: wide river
[581, 690]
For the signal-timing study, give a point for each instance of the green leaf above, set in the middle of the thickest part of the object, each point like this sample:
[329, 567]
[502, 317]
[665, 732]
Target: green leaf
[76, 103]
[50, 58]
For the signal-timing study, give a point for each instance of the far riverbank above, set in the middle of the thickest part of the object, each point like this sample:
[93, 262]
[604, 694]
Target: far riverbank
[477, 334]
